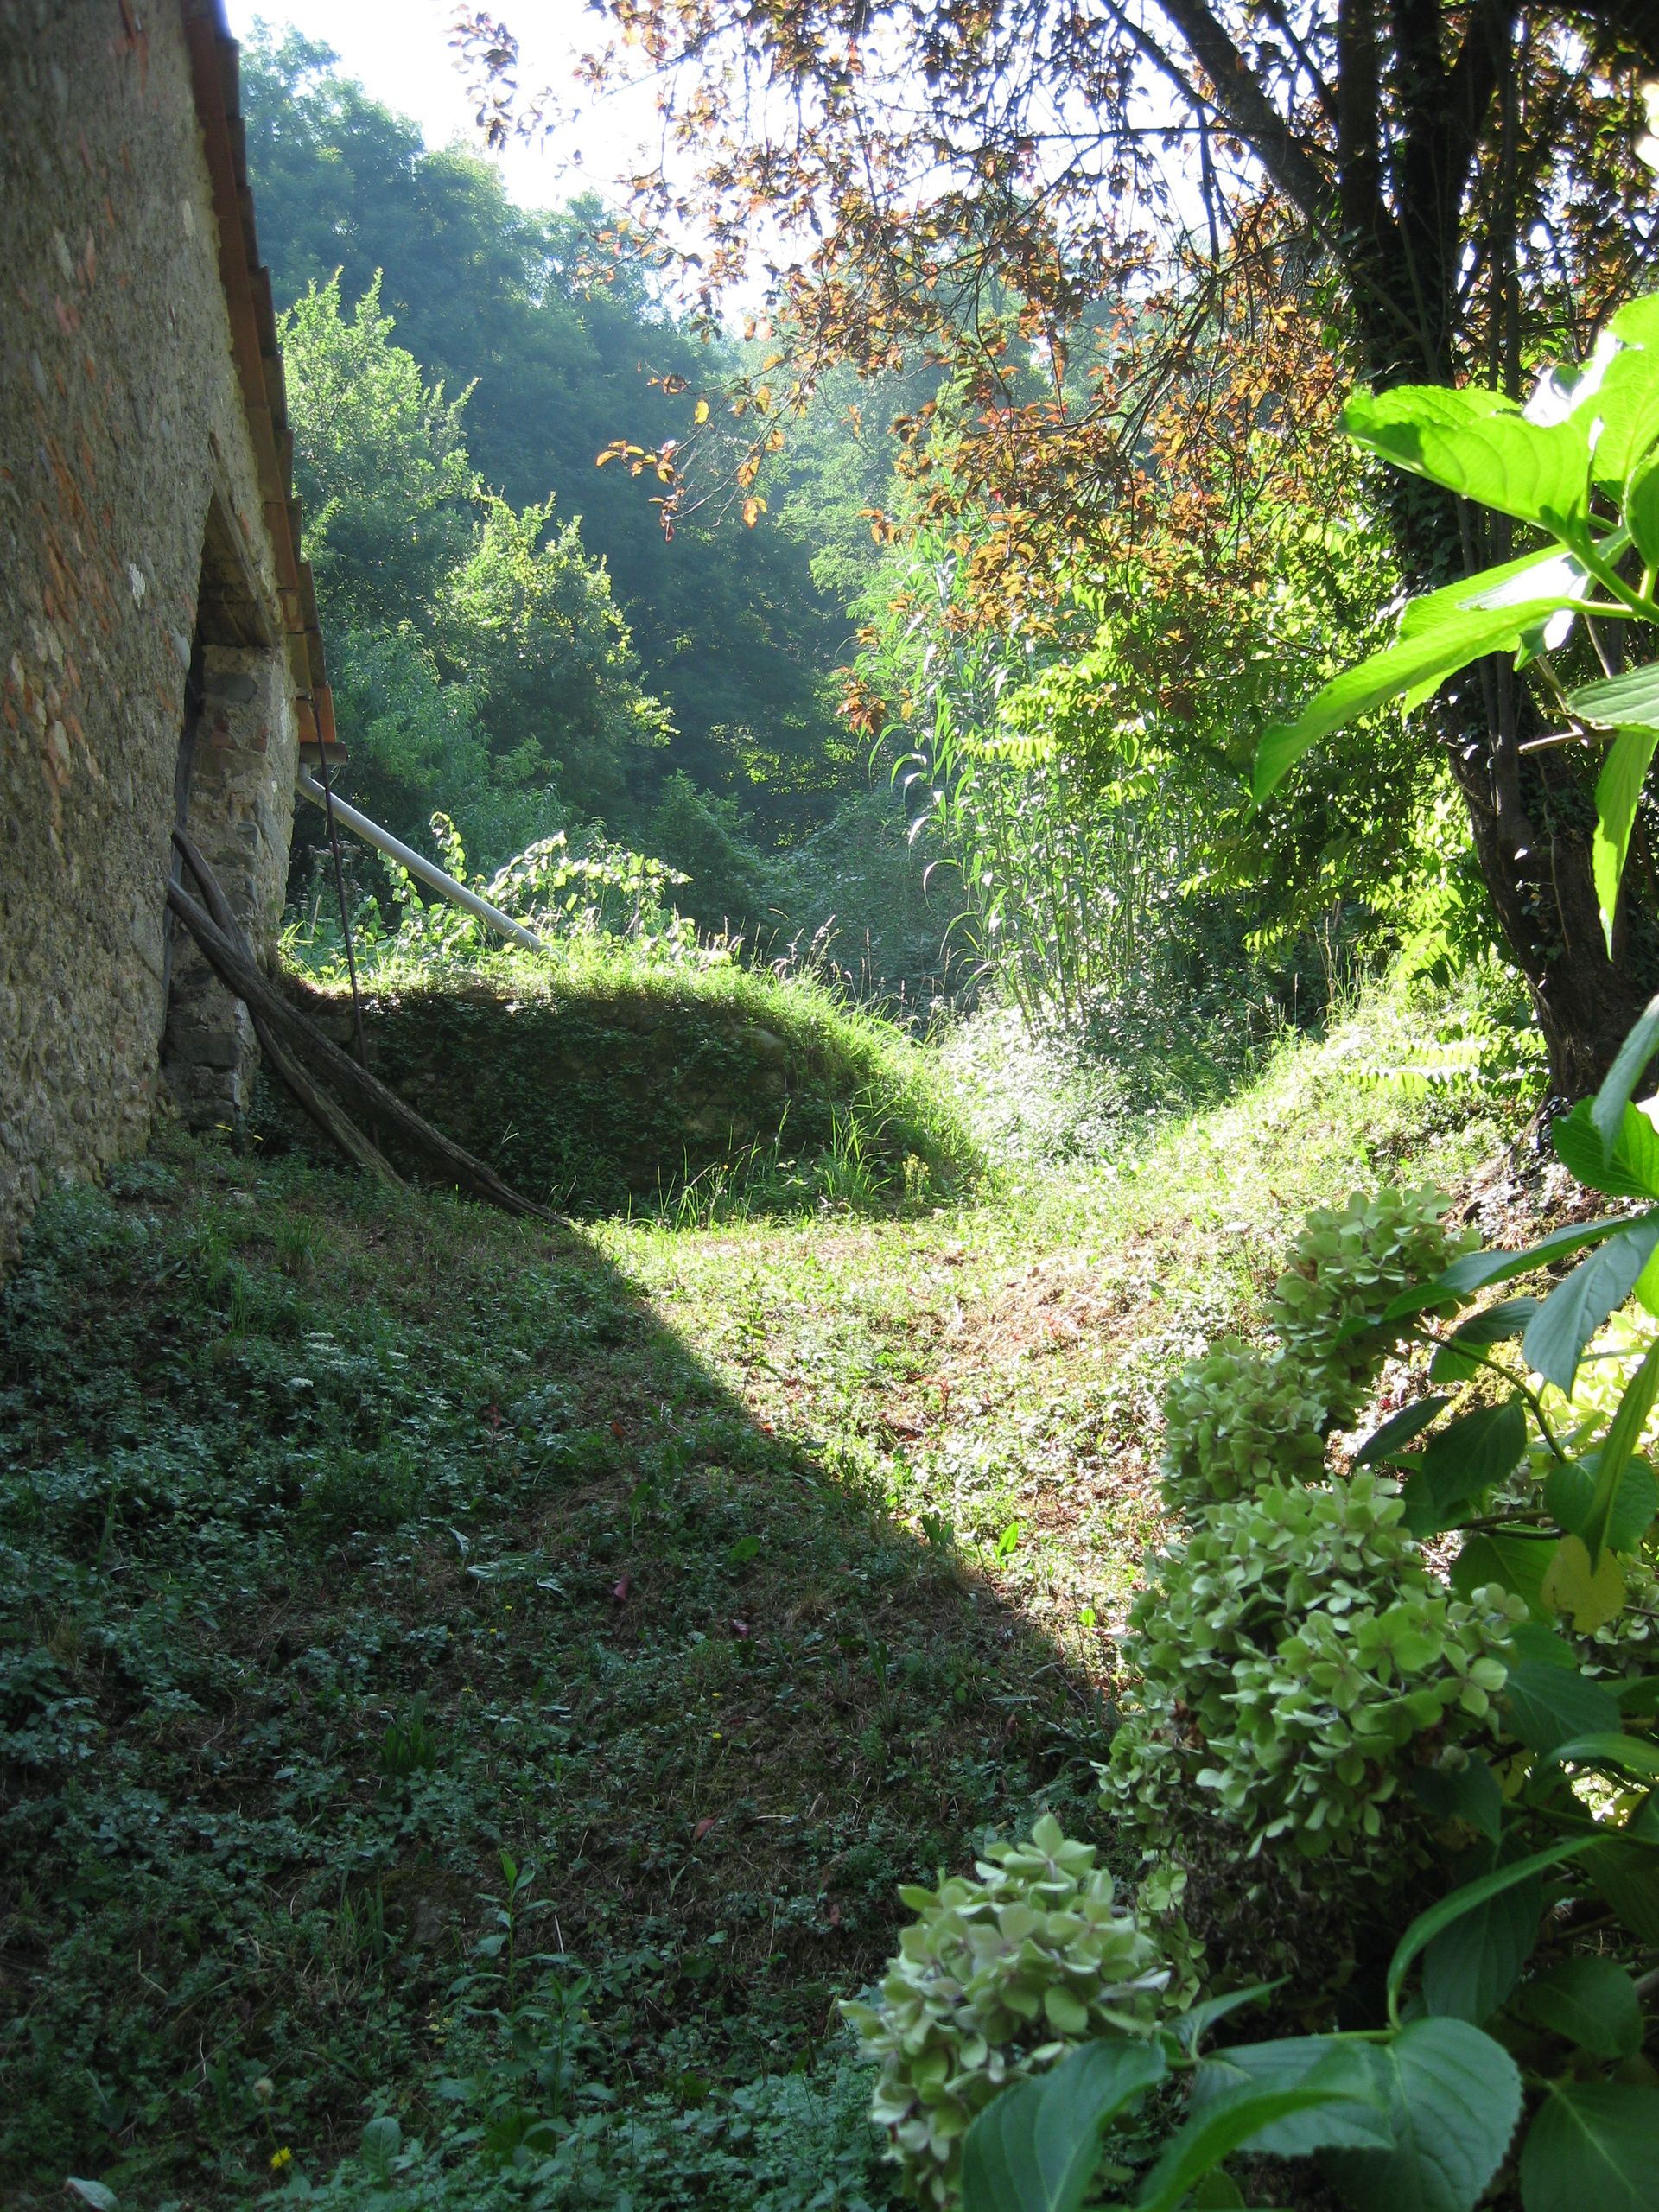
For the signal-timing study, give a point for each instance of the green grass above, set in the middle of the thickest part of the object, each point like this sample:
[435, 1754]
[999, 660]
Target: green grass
[603, 1076]
[721, 1576]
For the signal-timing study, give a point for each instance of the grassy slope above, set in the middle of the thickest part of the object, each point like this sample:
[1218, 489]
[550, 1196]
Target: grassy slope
[723, 1577]
[600, 1077]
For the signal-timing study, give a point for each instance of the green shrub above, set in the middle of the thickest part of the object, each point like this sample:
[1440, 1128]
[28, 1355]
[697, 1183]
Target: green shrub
[995, 1978]
[1286, 1657]
[1235, 1420]
[1347, 1263]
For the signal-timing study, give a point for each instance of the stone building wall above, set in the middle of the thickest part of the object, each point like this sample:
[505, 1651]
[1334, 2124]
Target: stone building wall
[144, 514]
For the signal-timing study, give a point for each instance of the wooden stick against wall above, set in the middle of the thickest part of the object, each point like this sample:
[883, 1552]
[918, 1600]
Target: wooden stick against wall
[335, 1124]
[231, 959]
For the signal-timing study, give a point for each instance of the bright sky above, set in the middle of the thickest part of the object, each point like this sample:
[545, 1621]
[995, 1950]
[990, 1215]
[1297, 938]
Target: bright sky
[398, 50]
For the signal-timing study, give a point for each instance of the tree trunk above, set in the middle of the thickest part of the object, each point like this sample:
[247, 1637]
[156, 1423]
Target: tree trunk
[1531, 816]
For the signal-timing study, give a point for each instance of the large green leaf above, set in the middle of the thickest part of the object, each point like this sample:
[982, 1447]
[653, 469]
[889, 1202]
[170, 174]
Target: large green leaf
[1438, 652]
[1570, 1493]
[1627, 1874]
[1462, 1462]
[1627, 1071]
[1197, 2019]
[1611, 1748]
[1456, 2096]
[1595, 2144]
[1517, 1562]
[1467, 1898]
[1475, 1270]
[1213, 2135]
[1570, 1316]
[1481, 445]
[1470, 1794]
[1533, 576]
[1588, 1591]
[1398, 1430]
[1624, 1433]
[1472, 1965]
[1493, 1325]
[1035, 2147]
[1532, 1640]
[1546, 1706]
[1591, 2002]
[1628, 700]
[1619, 793]
[1629, 1169]
[1354, 2115]
[1636, 324]
[1642, 510]
[1625, 405]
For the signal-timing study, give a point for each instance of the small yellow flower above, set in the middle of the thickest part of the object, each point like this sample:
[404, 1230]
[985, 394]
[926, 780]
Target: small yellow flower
[281, 2158]
[714, 1733]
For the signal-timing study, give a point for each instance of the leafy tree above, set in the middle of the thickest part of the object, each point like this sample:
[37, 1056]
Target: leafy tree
[562, 346]
[379, 459]
[479, 662]
[530, 618]
[1089, 768]
[1465, 176]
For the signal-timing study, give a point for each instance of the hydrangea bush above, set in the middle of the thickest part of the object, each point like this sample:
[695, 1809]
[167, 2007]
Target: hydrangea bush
[1235, 1419]
[999, 1975]
[1285, 1656]
[1345, 1266]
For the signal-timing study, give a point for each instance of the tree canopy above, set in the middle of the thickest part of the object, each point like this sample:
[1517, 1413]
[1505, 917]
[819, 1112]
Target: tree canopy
[561, 347]
[1060, 199]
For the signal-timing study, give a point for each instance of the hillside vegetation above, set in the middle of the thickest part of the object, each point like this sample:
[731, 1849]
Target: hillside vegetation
[478, 1675]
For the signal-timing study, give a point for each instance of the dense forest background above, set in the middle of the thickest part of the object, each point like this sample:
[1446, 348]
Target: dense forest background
[513, 637]
[796, 693]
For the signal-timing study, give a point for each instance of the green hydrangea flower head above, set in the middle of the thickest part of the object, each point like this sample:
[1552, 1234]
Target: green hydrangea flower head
[1288, 1656]
[996, 1977]
[1234, 1420]
[1345, 1266]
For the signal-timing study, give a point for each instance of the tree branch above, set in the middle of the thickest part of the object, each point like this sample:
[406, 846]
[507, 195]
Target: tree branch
[1243, 100]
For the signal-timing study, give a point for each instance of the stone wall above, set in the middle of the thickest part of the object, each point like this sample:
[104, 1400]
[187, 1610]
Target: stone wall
[135, 506]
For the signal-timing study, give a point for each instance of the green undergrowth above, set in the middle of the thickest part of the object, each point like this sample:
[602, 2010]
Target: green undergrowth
[605, 1079]
[473, 1677]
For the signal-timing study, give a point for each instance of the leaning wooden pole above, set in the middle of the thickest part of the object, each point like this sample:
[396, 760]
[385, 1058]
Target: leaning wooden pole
[367, 1093]
[335, 1125]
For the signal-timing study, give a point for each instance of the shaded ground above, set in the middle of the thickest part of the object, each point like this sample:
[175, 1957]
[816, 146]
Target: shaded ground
[354, 1545]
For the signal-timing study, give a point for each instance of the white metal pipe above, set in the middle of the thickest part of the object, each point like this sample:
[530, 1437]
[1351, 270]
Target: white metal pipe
[429, 872]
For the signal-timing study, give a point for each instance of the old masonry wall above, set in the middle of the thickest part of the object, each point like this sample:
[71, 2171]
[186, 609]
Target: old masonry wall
[135, 528]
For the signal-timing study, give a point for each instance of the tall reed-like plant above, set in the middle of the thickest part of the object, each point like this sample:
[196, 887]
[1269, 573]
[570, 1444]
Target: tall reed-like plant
[1062, 855]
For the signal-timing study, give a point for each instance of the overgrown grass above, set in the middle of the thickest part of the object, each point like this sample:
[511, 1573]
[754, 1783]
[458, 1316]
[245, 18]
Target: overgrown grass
[606, 1076]
[720, 1576]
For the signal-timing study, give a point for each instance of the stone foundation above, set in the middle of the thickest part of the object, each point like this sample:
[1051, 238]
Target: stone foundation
[242, 826]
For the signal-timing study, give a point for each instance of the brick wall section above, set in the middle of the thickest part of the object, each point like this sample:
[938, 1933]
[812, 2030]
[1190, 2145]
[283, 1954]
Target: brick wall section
[122, 420]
